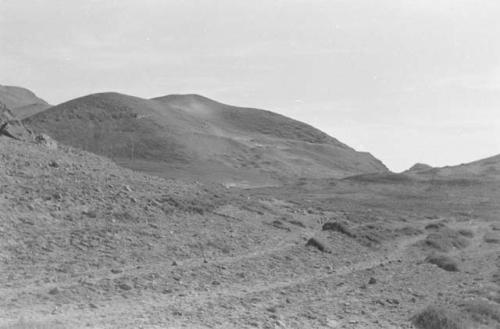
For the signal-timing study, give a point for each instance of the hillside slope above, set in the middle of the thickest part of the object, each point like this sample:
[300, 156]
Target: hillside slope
[21, 101]
[193, 136]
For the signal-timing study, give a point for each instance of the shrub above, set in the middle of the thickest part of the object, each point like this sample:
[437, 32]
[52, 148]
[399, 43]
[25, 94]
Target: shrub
[437, 317]
[313, 242]
[483, 311]
[491, 238]
[466, 232]
[338, 227]
[445, 262]
[445, 240]
[434, 226]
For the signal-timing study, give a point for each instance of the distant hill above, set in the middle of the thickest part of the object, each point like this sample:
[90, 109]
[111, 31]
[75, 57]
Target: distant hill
[196, 137]
[21, 101]
[488, 168]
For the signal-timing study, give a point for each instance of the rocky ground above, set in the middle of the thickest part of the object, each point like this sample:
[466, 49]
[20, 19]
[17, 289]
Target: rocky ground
[88, 244]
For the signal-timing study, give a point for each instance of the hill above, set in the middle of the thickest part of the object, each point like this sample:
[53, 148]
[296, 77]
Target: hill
[21, 101]
[418, 167]
[192, 136]
[484, 169]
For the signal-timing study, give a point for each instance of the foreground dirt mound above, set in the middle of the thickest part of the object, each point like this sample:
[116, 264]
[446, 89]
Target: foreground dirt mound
[194, 137]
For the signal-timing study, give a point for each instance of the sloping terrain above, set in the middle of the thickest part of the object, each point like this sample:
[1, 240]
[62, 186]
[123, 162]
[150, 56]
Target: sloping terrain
[88, 244]
[21, 101]
[194, 137]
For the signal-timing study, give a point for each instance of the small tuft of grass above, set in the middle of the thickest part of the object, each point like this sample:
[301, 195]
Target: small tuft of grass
[437, 317]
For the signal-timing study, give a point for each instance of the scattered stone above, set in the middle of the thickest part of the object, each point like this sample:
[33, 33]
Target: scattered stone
[92, 305]
[372, 280]
[116, 270]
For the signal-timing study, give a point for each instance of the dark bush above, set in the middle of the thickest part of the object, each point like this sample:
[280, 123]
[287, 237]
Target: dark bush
[445, 262]
[436, 317]
[338, 227]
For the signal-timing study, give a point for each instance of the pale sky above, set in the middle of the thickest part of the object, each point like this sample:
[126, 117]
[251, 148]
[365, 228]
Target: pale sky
[407, 80]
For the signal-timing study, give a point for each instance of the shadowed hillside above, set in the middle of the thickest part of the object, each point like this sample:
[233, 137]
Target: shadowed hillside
[193, 136]
[21, 101]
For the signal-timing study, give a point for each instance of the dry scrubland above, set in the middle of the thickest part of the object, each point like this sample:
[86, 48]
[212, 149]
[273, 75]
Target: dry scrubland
[88, 244]
[251, 220]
